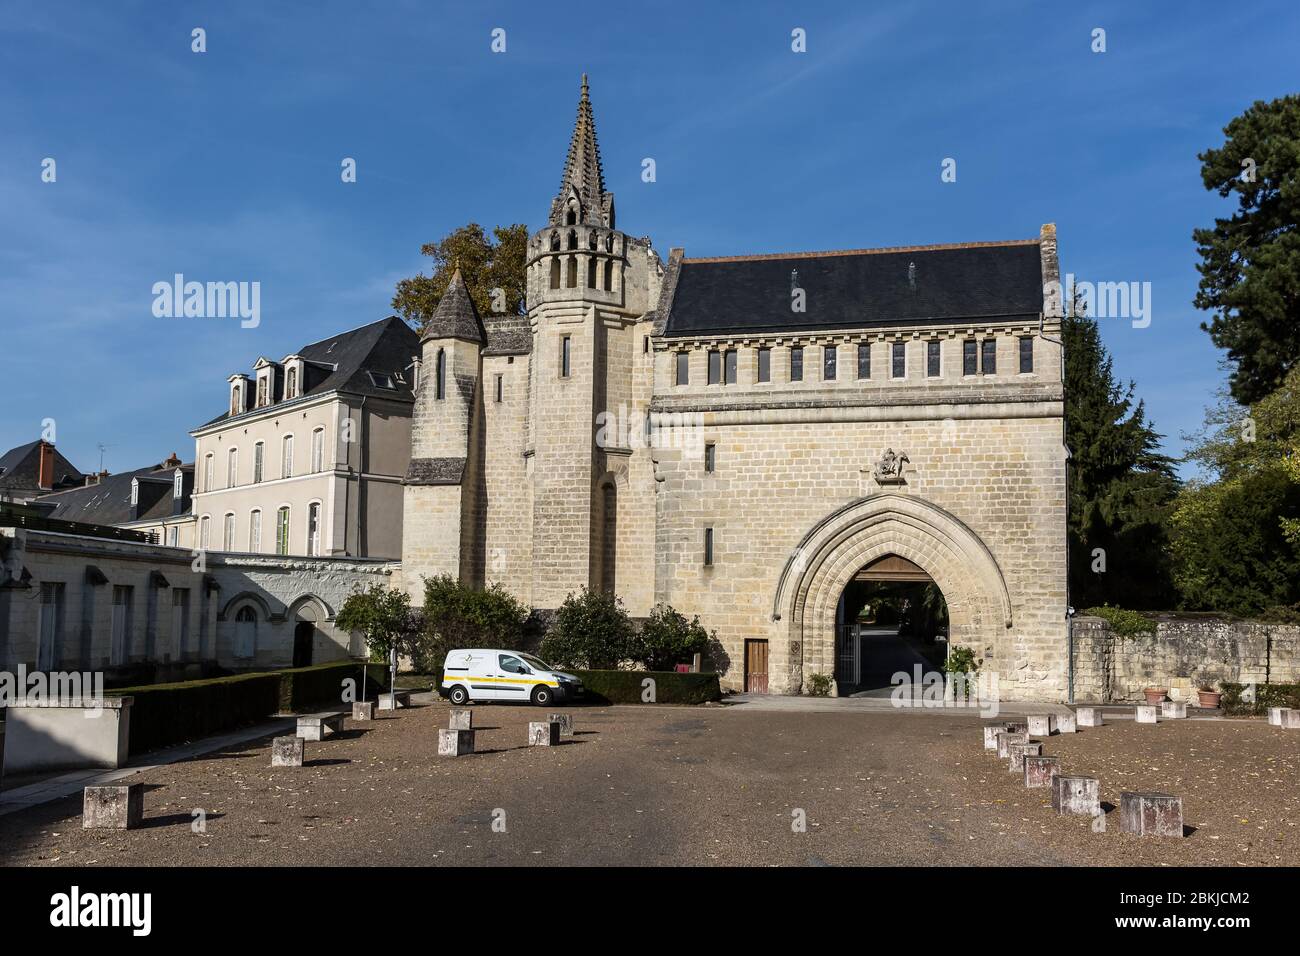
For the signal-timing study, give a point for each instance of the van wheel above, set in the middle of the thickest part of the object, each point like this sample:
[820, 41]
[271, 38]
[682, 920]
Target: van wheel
[458, 695]
[542, 696]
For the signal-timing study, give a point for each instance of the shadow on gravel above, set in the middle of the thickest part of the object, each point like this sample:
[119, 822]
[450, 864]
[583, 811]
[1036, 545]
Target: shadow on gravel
[174, 819]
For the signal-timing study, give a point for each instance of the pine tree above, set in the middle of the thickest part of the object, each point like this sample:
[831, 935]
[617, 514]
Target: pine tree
[1121, 486]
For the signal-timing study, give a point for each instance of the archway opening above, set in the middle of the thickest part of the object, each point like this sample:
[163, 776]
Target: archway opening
[891, 617]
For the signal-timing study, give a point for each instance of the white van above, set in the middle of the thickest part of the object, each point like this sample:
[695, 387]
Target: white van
[495, 674]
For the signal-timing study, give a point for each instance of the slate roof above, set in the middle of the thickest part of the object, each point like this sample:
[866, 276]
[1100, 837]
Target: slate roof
[856, 289]
[344, 362]
[456, 317]
[20, 467]
[109, 501]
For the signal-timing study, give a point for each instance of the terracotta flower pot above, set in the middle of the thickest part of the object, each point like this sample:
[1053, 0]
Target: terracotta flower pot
[1154, 695]
[1209, 698]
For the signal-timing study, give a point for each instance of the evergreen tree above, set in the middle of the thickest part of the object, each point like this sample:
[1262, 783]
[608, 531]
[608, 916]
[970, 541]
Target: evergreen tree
[1121, 486]
[1250, 263]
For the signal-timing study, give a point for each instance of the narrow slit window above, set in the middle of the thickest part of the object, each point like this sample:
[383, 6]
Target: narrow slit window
[864, 360]
[796, 363]
[764, 365]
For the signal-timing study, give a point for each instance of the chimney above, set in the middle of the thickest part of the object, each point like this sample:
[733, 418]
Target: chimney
[45, 470]
[172, 461]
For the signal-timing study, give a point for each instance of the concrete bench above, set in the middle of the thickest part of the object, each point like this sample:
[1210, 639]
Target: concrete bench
[398, 698]
[313, 726]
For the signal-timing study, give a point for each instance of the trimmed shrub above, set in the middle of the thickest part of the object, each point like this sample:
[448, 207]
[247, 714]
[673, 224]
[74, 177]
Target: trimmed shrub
[819, 685]
[163, 715]
[667, 638]
[625, 687]
[590, 630]
[456, 615]
[1266, 696]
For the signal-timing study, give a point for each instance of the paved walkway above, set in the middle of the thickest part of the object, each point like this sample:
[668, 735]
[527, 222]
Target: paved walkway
[885, 705]
[67, 784]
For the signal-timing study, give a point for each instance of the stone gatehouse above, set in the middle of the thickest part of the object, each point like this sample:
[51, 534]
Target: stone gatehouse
[741, 437]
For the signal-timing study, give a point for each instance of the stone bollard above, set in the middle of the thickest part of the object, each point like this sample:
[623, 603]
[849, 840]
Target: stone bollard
[1151, 814]
[363, 710]
[1065, 724]
[1173, 709]
[1018, 727]
[113, 807]
[1080, 795]
[1019, 752]
[1040, 770]
[1090, 717]
[543, 733]
[1042, 725]
[460, 719]
[1146, 714]
[1006, 739]
[991, 732]
[1275, 715]
[286, 752]
[1291, 719]
[455, 742]
[565, 721]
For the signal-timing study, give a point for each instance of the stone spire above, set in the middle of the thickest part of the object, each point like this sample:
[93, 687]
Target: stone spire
[455, 317]
[582, 188]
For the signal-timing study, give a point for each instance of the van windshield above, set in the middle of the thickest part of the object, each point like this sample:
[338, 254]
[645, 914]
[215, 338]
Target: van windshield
[536, 662]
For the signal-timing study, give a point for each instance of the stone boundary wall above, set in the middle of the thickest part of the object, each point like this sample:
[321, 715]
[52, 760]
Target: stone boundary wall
[1108, 667]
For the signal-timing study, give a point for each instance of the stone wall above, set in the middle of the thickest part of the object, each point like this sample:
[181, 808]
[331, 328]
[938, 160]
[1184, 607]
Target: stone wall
[177, 613]
[1207, 652]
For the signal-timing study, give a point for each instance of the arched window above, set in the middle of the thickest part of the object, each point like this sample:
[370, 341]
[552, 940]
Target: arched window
[440, 377]
[313, 528]
[591, 240]
[573, 239]
[592, 274]
[555, 272]
[135, 492]
[232, 467]
[178, 485]
[291, 384]
[571, 216]
[609, 275]
[245, 632]
[259, 453]
[571, 280]
[609, 242]
[228, 532]
[282, 531]
[207, 472]
[205, 533]
[286, 458]
[235, 403]
[555, 242]
[318, 450]
[255, 531]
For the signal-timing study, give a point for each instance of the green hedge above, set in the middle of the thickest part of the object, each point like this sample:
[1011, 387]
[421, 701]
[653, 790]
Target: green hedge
[624, 687]
[166, 714]
[1266, 696]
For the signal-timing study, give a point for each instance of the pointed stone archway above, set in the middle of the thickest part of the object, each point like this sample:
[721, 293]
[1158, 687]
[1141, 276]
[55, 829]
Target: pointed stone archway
[875, 527]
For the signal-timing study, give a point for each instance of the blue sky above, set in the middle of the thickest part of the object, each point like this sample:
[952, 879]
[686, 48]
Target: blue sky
[225, 165]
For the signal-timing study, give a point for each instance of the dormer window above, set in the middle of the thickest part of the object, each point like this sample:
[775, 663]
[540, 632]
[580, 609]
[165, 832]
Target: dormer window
[291, 384]
[263, 391]
[178, 485]
[135, 492]
[236, 406]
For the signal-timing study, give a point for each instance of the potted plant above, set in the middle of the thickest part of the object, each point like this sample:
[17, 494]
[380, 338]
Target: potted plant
[1154, 695]
[1209, 697]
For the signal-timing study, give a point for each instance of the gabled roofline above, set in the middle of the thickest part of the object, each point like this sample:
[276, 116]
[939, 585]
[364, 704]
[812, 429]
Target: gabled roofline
[882, 250]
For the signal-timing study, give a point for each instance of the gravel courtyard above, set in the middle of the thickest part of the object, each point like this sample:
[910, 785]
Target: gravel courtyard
[714, 785]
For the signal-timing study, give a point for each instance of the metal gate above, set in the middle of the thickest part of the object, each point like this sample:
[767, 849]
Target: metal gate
[848, 656]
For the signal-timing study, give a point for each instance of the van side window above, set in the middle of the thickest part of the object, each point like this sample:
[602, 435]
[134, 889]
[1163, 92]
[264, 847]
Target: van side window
[511, 665]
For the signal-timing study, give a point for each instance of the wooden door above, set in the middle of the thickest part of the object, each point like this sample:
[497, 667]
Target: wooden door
[755, 667]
